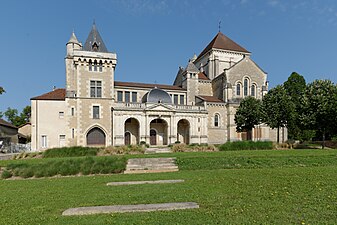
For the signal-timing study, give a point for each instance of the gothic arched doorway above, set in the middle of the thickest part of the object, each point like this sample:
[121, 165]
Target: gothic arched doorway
[96, 137]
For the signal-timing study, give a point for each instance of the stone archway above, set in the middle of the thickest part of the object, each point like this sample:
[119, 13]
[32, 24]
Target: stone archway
[160, 136]
[183, 134]
[96, 137]
[131, 131]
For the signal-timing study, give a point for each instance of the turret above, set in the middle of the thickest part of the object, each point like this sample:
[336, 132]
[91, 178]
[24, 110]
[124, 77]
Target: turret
[73, 44]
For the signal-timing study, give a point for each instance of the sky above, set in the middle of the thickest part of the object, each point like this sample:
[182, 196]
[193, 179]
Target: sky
[152, 38]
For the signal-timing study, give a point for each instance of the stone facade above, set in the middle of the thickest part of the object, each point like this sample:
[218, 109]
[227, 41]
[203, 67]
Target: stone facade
[96, 110]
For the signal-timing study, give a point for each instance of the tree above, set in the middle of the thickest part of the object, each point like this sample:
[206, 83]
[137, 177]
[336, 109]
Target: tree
[248, 115]
[295, 87]
[277, 108]
[2, 90]
[13, 116]
[320, 107]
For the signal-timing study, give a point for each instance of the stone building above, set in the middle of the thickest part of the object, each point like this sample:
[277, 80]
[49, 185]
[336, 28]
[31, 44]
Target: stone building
[95, 110]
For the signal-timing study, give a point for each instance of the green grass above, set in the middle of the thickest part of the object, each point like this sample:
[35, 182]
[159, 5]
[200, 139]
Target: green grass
[281, 192]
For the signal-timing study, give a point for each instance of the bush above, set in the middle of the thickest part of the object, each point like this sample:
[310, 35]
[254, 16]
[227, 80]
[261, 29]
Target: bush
[193, 148]
[64, 167]
[6, 174]
[70, 152]
[119, 150]
[246, 145]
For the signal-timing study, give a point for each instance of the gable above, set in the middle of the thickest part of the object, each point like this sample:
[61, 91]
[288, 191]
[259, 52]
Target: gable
[159, 107]
[246, 68]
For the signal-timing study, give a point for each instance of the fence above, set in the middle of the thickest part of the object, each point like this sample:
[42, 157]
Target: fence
[15, 148]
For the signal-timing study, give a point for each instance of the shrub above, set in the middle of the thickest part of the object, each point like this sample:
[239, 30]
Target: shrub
[246, 145]
[6, 174]
[70, 152]
[64, 167]
[193, 148]
[116, 150]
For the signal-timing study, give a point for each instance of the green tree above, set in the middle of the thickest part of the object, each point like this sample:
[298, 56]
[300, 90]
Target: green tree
[248, 115]
[320, 107]
[26, 114]
[295, 87]
[2, 90]
[13, 116]
[277, 108]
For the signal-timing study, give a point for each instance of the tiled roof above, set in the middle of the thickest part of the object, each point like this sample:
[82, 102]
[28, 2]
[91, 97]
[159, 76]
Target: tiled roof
[7, 124]
[57, 95]
[221, 41]
[143, 85]
[202, 76]
[209, 98]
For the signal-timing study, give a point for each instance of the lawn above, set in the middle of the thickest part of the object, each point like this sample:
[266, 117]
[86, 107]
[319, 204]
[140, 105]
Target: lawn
[282, 187]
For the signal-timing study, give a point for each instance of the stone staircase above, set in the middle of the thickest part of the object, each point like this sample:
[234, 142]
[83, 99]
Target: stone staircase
[151, 165]
[154, 150]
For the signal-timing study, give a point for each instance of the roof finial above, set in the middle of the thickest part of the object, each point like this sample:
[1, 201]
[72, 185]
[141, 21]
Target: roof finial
[219, 26]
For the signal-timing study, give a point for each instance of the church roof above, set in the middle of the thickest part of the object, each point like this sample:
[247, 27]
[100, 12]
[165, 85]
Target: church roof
[208, 98]
[94, 37]
[143, 85]
[221, 41]
[191, 67]
[202, 76]
[58, 94]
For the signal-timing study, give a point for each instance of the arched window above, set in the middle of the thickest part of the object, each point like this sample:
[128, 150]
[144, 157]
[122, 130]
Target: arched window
[245, 87]
[216, 120]
[253, 90]
[90, 65]
[95, 65]
[238, 89]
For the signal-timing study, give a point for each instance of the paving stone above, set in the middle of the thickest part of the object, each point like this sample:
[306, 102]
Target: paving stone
[144, 182]
[151, 165]
[129, 208]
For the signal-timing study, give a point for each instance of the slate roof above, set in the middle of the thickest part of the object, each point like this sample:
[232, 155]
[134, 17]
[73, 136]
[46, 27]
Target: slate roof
[191, 67]
[73, 39]
[207, 98]
[221, 41]
[93, 37]
[143, 85]
[7, 124]
[57, 95]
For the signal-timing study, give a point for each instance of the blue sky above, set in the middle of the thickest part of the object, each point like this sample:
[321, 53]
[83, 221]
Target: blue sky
[152, 38]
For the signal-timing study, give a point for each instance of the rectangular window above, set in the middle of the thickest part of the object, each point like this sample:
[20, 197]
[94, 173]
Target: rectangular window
[182, 100]
[119, 96]
[127, 96]
[72, 111]
[134, 96]
[61, 115]
[44, 141]
[72, 133]
[95, 112]
[95, 89]
[175, 99]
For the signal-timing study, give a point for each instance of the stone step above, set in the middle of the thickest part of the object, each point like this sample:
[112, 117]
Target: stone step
[151, 165]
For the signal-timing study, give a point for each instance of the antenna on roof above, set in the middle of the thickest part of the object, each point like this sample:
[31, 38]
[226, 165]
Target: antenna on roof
[219, 26]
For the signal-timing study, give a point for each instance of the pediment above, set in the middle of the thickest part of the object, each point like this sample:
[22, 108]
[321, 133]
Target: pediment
[159, 107]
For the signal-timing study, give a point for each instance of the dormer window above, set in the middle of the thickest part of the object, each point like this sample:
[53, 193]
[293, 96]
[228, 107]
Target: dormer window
[95, 47]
